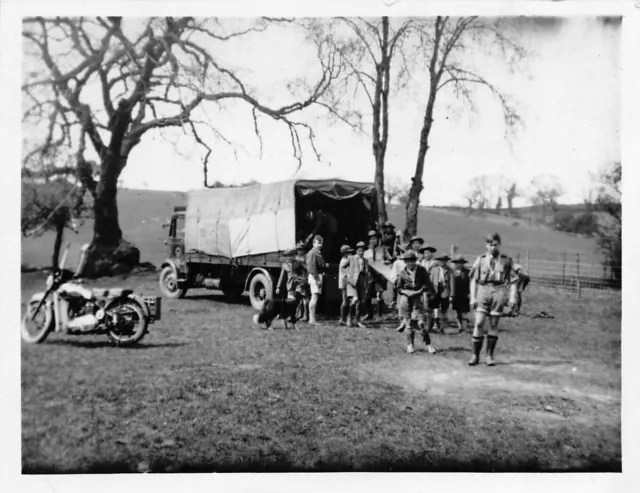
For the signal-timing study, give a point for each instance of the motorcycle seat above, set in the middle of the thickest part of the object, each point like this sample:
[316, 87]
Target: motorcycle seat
[111, 292]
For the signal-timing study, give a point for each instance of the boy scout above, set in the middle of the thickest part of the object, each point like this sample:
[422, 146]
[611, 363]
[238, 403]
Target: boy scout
[357, 281]
[491, 275]
[377, 284]
[389, 239]
[343, 275]
[443, 283]
[460, 301]
[315, 268]
[301, 256]
[412, 282]
[523, 282]
[416, 243]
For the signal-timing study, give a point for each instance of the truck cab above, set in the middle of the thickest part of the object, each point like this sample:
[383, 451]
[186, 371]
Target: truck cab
[175, 241]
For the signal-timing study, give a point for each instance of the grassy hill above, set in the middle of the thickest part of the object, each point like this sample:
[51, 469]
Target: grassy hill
[142, 213]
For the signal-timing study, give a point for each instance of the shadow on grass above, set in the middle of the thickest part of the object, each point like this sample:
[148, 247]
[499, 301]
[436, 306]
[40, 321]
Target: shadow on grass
[531, 362]
[280, 463]
[107, 343]
[221, 298]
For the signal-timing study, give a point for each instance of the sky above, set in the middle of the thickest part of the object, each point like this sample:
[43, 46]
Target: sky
[567, 91]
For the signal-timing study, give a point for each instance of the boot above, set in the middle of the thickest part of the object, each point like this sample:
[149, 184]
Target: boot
[491, 346]
[344, 313]
[477, 348]
[427, 341]
[437, 328]
[410, 339]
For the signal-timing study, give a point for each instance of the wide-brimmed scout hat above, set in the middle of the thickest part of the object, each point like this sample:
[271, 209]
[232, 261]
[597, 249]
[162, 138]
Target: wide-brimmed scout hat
[388, 224]
[416, 238]
[346, 249]
[444, 257]
[459, 259]
[409, 255]
[289, 252]
[301, 246]
[426, 247]
[361, 244]
[373, 233]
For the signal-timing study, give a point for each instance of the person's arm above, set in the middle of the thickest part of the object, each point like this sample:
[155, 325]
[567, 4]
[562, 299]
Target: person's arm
[452, 284]
[512, 278]
[473, 280]
[280, 279]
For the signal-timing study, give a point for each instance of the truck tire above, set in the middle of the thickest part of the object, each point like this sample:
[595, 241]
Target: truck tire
[260, 289]
[169, 284]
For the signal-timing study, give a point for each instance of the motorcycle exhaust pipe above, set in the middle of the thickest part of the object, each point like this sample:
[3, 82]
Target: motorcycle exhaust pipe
[212, 283]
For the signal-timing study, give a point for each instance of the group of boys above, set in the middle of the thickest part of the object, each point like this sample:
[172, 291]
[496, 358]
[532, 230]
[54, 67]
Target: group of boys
[424, 286]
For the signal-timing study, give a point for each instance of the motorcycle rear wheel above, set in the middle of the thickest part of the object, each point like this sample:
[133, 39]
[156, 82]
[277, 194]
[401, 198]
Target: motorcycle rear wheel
[43, 324]
[133, 312]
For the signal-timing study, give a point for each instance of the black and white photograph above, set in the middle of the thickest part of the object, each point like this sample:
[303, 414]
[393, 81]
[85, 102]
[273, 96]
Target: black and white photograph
[319, 243]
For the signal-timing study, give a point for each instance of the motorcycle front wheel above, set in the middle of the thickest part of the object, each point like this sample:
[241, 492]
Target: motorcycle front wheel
[131, 322]
[36, 331]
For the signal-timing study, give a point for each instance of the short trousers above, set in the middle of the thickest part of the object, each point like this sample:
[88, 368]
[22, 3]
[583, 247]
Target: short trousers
[410, 307]
[438, 302]
[357, 292]
[314, 286]
[491, 299]
[460, 304]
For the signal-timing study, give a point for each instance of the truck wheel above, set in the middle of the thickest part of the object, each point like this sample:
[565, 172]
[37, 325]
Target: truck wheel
[260, 289]
[169, 284]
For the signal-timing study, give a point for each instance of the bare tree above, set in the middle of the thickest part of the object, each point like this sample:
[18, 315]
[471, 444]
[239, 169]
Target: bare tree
[375, 56]
[445, 41]
[545, 192]
[150, 74]
[53, 198]
[477, 194]
[395, 189]
[511, 193]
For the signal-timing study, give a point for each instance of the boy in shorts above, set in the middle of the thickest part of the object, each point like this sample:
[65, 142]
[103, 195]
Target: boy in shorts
[412, 282]
[493, 286]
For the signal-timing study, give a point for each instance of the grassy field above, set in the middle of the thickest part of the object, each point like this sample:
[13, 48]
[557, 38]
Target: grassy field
[207, 391]
[142, 213]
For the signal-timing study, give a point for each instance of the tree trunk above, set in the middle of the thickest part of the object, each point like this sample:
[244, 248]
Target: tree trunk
[60, 223]
[435, 73]
[380, 109]
[379, 186]
[109, 253]
[413, 204]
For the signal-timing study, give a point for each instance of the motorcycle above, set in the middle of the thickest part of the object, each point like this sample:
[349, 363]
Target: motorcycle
[69, 307]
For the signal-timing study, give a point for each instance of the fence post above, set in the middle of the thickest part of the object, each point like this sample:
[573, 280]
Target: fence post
[564, 266]
[526, 268]
[578, 273]
[518, 258]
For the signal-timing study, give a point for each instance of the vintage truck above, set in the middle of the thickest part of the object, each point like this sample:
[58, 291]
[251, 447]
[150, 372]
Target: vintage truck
[232, 239]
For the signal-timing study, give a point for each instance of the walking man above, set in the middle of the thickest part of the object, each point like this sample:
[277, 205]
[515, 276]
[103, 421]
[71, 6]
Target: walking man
[492, 275]
[412, 282]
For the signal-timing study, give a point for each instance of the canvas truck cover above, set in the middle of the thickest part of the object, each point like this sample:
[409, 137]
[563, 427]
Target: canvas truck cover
[234, 222]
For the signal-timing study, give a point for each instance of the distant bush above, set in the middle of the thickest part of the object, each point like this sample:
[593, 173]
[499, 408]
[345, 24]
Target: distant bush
[515, 224]
[584, 223]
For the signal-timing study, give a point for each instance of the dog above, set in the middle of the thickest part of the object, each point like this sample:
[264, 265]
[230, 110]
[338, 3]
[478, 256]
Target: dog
[283, 308]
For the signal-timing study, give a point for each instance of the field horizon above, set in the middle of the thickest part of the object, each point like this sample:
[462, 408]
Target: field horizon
[143, 212]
